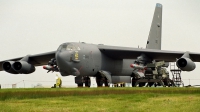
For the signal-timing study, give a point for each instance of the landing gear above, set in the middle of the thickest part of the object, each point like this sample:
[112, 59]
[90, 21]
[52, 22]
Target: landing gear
[102, 80]
[80, 85]
[81, 80]
[87, 81]
[106, 83]
[99, 81]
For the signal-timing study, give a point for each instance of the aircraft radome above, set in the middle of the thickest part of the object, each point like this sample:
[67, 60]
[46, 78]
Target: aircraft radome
[109, 64]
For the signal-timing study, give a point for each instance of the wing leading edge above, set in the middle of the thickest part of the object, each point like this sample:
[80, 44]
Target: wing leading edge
[132, 53]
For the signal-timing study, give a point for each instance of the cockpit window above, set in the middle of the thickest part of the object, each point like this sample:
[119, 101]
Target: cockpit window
[60, 47]
[78, 48]
[68, 47]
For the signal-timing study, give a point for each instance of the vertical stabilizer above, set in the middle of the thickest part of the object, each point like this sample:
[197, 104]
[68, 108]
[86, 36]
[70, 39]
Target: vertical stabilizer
[154, 39]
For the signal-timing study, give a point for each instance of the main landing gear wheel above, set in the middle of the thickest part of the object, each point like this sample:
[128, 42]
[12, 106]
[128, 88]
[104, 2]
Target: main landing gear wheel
[99, 81]
[83, 80]
[106, 82]
[87, 82]
[102, 80]
[80, 85]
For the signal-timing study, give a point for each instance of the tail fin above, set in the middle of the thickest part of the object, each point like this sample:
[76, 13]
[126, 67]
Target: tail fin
[154, 39]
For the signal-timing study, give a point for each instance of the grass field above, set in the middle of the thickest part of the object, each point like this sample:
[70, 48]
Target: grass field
[101, 100]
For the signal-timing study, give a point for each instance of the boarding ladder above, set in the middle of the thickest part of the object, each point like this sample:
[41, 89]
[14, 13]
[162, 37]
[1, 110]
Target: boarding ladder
[176, 74]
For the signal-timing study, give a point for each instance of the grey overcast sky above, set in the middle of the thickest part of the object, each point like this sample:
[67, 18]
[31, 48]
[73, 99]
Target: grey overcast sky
[38, 26]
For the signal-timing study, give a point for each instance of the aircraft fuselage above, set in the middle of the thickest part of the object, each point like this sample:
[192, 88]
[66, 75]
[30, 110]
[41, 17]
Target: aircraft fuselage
[88, 60]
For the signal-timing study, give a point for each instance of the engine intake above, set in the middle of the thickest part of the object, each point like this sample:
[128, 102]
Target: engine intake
[23, 67]
[7, 66]
[185, 64]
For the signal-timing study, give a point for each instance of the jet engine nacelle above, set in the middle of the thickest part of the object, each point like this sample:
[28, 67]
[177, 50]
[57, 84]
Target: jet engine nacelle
[7, 66]
[185, 64]
[23, 67]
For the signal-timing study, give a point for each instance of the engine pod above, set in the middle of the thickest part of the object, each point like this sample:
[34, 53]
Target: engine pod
[23, 67]
[7, 66]
[185, 64]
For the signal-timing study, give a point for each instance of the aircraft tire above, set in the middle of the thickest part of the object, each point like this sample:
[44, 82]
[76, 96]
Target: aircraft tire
[80, 85]
[87, 82]
[99, 81]
[106, 83]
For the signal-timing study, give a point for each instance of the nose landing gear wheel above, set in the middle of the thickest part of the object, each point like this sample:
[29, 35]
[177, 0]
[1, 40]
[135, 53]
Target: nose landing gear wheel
[80, 85]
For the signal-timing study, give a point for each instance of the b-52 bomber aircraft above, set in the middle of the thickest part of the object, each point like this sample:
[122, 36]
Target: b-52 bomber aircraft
[109, 64]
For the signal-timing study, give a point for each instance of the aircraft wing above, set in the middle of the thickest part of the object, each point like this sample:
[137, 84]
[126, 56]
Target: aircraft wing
[133, 53]
[36, 60]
